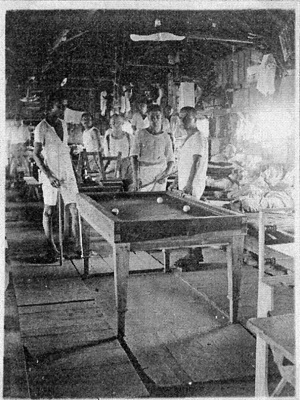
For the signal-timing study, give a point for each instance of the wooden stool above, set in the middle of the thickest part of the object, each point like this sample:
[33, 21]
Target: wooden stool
[32, 189]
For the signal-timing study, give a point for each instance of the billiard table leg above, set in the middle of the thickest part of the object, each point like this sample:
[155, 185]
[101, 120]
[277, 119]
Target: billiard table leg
[121, 273]
[237, 261]
[85, 234]
[166, 254]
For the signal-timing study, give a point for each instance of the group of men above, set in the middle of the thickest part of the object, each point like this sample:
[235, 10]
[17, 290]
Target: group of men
[147, 160]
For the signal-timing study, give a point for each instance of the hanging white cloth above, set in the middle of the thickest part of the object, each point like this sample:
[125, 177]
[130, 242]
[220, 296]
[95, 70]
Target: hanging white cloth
[71, 116]
[186, 94]
[266, 76]
[123, 101]
[103, 102]
[127, 102]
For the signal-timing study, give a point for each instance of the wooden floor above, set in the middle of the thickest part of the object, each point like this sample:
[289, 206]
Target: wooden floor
[178, 340]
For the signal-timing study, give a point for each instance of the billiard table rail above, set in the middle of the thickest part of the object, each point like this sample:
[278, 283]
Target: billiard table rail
[119, 230]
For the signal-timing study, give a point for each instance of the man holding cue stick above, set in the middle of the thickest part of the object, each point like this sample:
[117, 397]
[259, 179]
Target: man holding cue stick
[152, 155]
[52, 156]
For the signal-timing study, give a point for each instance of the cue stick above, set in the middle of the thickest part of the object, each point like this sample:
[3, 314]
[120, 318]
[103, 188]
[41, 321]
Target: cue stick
[60, 228]
[80, 233]
[154, 180]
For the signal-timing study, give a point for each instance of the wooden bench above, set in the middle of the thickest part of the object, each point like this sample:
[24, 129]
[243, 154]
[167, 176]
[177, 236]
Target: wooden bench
[279, 333]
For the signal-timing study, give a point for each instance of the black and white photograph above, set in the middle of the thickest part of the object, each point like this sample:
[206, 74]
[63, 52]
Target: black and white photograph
[150, 197]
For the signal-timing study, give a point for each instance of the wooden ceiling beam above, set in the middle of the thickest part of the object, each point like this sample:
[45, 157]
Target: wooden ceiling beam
[150, 66]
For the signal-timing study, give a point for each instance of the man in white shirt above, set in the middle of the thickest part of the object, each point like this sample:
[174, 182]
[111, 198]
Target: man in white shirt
[193, 156]
[192, 168]
[152, 155]
[140, 118]
[52, 156]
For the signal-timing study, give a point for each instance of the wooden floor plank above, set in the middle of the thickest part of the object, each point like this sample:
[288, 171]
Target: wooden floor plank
[47, 290]
[224, 353]
[104, 353]
[23, 271]
[102, 371]
[97, 265]
[146, 262]
[210, 286]
[100, 265]
[43, 325]
[156, 360]
[101, 386]
[45, 308]
[138, 261]
[52, 344]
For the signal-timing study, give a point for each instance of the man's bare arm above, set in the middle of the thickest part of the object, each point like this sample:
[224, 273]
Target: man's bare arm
[194, 168]
[39, 160]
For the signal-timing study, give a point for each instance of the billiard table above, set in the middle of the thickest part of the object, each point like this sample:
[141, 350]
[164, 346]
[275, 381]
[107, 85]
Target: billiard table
[142, 223]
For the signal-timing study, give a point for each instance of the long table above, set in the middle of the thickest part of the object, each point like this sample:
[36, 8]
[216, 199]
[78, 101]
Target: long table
[156, 220]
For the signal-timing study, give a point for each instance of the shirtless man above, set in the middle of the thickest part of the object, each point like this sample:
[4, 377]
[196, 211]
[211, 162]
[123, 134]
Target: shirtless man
[52, 156]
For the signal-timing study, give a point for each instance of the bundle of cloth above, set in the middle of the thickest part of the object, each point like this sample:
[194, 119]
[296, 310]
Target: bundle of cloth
[265, 186]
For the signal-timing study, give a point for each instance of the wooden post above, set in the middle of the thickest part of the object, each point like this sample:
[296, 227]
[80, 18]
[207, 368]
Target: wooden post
[85, 229]
[265, 298]
[166, 254]
[121, 273]
[263, 306]
[237, 261]
[261, 368]
[230, 281]
[66, 221]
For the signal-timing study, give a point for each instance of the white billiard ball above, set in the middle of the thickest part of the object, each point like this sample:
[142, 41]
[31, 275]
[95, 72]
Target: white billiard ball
[186, 208]
[115, 211]
[160, 200]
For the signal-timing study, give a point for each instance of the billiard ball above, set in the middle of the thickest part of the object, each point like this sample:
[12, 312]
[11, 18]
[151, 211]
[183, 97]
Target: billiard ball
[186, 208]
[160, 200]
[115, 211]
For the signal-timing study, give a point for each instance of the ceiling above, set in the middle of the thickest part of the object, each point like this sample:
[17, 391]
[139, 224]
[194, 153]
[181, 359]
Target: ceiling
[94, 46]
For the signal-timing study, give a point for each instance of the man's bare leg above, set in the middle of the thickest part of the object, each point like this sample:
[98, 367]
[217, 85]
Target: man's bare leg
[73, 243]
[48, 230]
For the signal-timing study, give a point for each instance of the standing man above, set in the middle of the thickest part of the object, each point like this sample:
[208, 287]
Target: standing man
[92, 143]
[18, 138]
[140, 118]
[52, 156]
[91, 136]
[118, 141]
[192, 168]
[152, 155]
